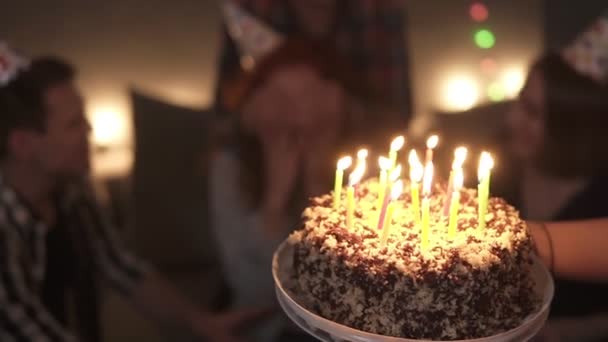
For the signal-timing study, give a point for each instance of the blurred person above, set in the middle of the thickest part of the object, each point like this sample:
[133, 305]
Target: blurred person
[55, 245]
[555, 167]
[299, 82]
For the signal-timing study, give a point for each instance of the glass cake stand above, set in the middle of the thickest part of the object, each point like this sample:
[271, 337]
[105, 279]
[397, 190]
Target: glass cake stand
[328, 331]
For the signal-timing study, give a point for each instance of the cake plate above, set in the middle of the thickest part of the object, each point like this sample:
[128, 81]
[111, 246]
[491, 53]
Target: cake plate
[328, 331]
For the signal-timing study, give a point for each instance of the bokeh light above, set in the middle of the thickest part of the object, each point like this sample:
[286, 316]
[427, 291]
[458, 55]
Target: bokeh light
[479, 12]
[109, 127]
[460, 93]
[488, 66]
[512, 80]
[485, 39]
[496, 92]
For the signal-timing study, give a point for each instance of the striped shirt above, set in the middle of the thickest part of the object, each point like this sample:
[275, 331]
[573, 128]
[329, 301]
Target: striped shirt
[23, 316]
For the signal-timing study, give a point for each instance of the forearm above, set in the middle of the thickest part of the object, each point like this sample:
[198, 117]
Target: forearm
[579, 248]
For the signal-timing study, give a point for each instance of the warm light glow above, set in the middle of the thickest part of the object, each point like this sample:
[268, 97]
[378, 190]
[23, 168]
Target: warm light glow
[458, 180]
[488, 65]
[395, 174]
[496, 92]
[109, 126]
[396, 190]
[512, 80]
[460, 155]
[357, 174]
[384, 163]
[432, 141]
[479, 12]
[362, 158]
[397, 143]
[344, 163]
[362, 154]
[416, 168]
[460, 93]
[486, 163]
[428, 179]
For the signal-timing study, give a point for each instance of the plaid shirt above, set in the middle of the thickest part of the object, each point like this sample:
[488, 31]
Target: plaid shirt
[371, 33]
[23, 316]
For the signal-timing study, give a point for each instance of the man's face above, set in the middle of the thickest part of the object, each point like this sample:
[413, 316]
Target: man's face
[62, 150]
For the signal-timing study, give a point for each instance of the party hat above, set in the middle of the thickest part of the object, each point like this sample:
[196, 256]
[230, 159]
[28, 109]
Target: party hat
[10, 64]
[588, 54]
[253, 38]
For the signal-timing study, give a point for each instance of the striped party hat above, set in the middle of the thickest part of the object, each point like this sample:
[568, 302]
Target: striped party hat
[254, 38]
[588, 53]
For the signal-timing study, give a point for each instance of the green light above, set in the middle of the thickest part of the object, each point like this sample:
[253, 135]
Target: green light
[485, 39]
[496, 92]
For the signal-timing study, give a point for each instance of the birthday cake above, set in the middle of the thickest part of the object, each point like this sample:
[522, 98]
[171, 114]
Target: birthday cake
[476, 283]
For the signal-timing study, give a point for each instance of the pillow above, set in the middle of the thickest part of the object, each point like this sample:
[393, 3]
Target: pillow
[170, 183]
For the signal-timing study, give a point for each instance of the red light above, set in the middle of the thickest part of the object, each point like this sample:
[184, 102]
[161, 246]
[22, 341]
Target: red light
[488, 66]
[479, 12]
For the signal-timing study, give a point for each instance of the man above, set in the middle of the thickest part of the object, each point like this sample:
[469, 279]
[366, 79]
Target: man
[54, 243]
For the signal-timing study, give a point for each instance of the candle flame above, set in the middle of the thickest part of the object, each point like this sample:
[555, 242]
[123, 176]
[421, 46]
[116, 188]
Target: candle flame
[362, 154]
[432, 141]
[458, 180]
[416, 169]
[344, 163]
[396, 190]
[397, 143]
[460, 155]
[428, 179]
[384, 163]
[486, 163]
[362, 157]
[395, 174]
[357, 174]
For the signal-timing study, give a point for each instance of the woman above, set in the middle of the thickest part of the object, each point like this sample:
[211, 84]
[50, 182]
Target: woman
[558, 168]
[290, 115]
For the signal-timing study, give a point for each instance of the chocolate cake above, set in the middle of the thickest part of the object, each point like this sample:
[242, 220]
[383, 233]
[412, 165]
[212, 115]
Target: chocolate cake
[478, 284]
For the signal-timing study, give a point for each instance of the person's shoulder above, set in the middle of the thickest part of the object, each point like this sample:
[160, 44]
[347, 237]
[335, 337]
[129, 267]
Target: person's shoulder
[225, 165]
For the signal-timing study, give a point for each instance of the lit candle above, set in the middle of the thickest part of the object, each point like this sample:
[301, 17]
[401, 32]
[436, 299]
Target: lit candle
[362, 157]
[396, 191]
[416, 173]
[396, 145]
[486, 163]
[393, 177]
[458, 179]
[385, 165]
[426, 205]
[431, 144]
[353, 179]
[343, 164]
[361, 161]
[460, 155]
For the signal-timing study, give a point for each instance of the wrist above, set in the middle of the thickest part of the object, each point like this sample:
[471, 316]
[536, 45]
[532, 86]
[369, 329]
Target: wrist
[543, 243]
